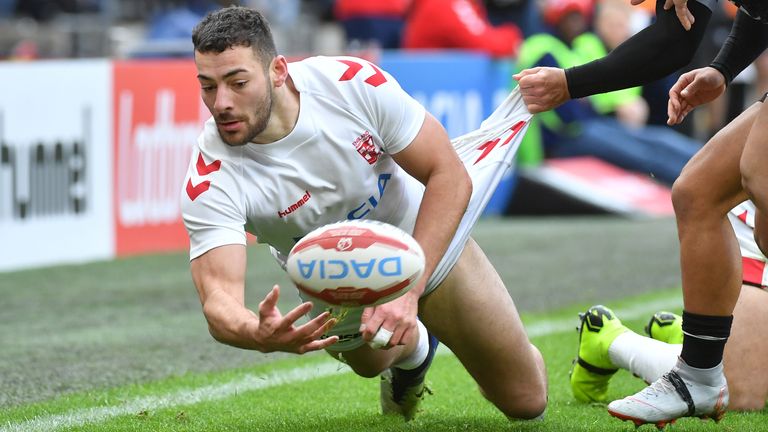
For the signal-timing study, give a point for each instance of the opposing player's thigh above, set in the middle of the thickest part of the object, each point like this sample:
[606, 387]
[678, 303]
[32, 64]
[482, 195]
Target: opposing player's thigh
[747, 350]
[755, 154]
[473, 314]
[714, 171]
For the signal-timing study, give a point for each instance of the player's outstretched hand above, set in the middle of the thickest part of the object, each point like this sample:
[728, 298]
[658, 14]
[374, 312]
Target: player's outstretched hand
[397, 317]
[543, 88]
[692, 89]
[279, 333]
[681, 10]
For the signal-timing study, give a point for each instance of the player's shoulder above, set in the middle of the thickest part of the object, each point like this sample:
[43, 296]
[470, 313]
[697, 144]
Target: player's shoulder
[330, 75]
[210, 159]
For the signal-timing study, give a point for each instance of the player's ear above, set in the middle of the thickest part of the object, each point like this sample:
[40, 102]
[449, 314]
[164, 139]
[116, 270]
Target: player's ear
[278, 70]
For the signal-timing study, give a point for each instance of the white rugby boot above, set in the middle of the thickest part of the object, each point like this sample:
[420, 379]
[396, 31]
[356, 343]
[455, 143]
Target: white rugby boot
[682, 392]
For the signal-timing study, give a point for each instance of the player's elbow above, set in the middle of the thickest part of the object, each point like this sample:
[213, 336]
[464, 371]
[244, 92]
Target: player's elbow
[463, 186]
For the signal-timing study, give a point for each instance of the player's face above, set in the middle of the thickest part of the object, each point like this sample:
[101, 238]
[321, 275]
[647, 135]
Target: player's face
[237, 90]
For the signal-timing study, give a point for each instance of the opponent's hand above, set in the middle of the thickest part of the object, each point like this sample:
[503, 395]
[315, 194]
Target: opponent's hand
[692, 89]
[278, 333]
[681, 10]
[543, 88]
[397, 316]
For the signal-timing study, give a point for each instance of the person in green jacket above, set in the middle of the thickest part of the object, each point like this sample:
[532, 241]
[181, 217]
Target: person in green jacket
[592, 126]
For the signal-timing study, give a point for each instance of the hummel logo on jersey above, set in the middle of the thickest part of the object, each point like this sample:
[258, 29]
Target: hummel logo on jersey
[367, 149]
[294, 206]
[203, 169]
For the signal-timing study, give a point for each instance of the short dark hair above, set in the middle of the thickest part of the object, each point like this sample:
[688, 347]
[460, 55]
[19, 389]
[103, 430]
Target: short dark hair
[235, 26]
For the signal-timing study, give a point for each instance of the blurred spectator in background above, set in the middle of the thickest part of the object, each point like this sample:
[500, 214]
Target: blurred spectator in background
[458, 24]
[372, 22]
[45, 10]
[578, 128]
[525, 14]
[177, 22]
[613, 25]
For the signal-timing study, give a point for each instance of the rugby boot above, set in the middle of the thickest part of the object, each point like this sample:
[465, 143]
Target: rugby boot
[682, 392]
[665, 327]
[593, 368]
[401, 391]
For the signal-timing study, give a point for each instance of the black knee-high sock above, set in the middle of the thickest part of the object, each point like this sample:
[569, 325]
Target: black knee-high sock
[704, 338]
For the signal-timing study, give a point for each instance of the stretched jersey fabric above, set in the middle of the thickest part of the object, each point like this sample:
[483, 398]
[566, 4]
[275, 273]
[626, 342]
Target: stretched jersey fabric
[487, 154]
[336, 164]
[742, 218]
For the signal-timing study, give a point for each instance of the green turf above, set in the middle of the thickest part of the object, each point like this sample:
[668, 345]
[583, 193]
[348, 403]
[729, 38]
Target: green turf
[129, 333]
[344, 401]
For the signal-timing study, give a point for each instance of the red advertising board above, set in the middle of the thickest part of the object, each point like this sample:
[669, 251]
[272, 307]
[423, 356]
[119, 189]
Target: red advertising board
[158, 115]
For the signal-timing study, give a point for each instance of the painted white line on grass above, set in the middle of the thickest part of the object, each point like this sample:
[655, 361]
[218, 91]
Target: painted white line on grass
[256, 382]
[183, 397]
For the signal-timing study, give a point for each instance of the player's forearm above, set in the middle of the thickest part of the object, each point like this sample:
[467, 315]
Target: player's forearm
[230, 323]
[445, 200]
[660, 49]
[747, 40]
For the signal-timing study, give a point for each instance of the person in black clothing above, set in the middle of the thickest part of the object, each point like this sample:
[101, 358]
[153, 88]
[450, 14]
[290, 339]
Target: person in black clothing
[724, 173]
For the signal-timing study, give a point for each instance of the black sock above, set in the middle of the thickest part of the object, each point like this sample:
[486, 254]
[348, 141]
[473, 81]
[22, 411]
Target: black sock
[704, 338]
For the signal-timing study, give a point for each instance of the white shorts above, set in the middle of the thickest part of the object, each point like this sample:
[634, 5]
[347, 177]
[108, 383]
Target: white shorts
[742, 219]
[487, 153]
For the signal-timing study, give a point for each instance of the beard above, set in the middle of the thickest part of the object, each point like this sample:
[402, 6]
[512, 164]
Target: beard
[252, 127]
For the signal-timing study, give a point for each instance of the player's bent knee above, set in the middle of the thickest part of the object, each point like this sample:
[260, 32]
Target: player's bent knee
[528, 408]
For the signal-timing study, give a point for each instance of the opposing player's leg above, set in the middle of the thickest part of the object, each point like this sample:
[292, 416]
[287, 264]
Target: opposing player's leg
[708, 188]
[605, 346]
[593, 368]
[754, 176]
[746, 351]
[473, 314]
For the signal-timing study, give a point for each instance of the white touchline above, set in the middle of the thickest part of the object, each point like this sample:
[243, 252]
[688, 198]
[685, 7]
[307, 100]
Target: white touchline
[252, 382]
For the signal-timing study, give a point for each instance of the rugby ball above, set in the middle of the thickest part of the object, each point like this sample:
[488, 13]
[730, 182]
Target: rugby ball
[355, 263]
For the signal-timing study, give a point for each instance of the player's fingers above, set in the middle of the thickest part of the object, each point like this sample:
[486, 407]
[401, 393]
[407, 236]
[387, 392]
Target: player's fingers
[668, 4]
[270, 301]
[369, 323]
[296, 313]
[398, 336]
[535, 108]
[381, 339]
[525, 73]
[684, 16]
[323, 328]
[317, 345]
[317, 323]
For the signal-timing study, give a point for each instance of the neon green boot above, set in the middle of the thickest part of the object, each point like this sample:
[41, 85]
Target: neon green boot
[593, 368]
[665, 327]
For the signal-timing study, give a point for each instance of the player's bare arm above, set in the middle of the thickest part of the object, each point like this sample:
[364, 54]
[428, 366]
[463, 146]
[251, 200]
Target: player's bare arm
[431, 159]
[219, 276]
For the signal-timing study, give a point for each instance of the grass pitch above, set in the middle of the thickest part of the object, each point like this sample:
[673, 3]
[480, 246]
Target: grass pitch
[122, 346]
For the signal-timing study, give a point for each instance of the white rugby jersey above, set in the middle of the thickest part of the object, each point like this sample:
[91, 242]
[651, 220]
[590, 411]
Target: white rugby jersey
[334, 165]
[754, 270]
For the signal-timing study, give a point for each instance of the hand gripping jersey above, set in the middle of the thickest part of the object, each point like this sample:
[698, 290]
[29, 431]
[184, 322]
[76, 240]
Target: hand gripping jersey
[742, 219]
[336, 165]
